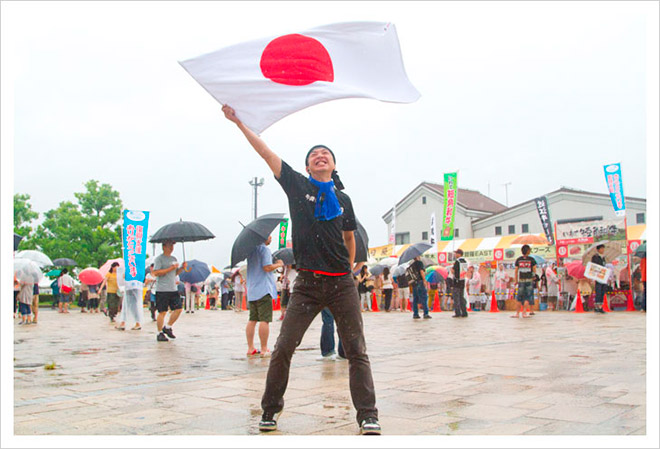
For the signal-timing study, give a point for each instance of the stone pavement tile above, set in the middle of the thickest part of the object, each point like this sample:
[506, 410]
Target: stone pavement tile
[393, 425]
[326, 410]
[148, 416]
[640, 431]
[571, 399]
[214, 393]
[630, 399]
[502, 400]
[41, 427]
[100, 427]
[292, 423]
[65, 414]
[391, 407]
[577, 428]
[532, 405]
[490, 412]
[423, 398]
[573, 413]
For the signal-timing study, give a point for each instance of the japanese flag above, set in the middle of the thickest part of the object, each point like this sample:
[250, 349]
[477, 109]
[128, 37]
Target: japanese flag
[267, 79]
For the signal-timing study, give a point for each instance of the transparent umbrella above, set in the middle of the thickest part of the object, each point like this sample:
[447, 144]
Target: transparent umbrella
[36, 256]
[27, 271]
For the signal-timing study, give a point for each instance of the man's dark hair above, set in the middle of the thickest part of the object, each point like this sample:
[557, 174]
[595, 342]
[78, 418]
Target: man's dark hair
[64, 271]
[459, 252]
[335, 177]
[525, 249]
[600, 246]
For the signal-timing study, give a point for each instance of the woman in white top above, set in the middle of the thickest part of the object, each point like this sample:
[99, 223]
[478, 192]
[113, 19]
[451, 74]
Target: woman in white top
[388, 287]
[474, 288]
[553, 285]
[239, 289]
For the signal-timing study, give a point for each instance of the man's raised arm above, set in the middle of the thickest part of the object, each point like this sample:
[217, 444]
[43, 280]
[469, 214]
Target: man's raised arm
[272, 159]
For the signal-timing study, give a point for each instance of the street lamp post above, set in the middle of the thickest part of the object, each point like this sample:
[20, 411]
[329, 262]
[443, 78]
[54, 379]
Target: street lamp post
[255, 185]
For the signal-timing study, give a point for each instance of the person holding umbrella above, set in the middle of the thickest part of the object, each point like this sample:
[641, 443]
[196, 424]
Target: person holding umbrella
[458, 294]
[166, 269]
[323, 224]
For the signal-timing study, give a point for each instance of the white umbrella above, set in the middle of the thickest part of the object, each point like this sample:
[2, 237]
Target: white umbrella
[27, 271]
[400, 269]
[389, 261]
[38, 257]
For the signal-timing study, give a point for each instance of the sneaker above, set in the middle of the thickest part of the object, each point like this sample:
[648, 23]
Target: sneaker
[327, 357]
[161, 337]
[370, 426]
[268, 421]
[427, 317]
[168, 332]
[416, 317]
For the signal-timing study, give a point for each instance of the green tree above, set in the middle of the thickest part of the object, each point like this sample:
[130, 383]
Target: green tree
[23, 218]
[88, 232]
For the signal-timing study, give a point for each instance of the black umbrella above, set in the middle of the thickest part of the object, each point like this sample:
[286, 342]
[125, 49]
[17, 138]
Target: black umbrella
[182, 231]
[285, 255]
[64, 262]
[17, 240]
[414, 250]
[361, 243]
[255, 233]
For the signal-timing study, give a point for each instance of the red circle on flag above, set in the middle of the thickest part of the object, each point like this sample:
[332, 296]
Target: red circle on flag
[562, 251]
[442, 257]
[498, 254]
[296, 60]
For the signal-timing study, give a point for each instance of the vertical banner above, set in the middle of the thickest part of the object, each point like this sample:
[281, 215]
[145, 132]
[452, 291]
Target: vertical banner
[392, 240]
[134, 233]
[544, 215]
[284, 228]
[450, 197]
[615, 187]
[432, 236]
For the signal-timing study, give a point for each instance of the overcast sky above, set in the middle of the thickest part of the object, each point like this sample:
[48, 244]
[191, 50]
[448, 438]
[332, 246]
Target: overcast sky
[541, 95]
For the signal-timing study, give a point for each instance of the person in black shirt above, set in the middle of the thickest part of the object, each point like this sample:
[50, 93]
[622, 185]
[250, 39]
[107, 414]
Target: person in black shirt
[418, 283]
[458, 292]
[598, 259]
[525, 275]
[323, 225]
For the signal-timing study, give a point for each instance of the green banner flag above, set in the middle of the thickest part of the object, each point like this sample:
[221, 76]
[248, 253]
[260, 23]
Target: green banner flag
[450, 197]
[284, 227]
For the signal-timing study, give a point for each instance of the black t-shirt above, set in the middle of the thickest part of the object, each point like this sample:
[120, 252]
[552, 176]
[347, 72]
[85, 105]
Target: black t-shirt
[598, 260]
[414, 270]
[525, 265]
[317, 245]
[402, 281]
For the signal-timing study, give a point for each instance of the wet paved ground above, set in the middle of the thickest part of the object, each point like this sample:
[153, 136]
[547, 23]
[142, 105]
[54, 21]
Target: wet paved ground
[556, 373]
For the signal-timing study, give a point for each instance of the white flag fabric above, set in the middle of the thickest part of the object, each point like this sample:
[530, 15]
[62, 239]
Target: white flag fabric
[393, 227]
[267, 79]
[432, 238]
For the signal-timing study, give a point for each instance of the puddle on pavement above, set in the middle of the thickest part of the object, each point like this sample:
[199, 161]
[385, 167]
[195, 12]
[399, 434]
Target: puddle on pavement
[28, 365]
[174, 373]
[87, 351]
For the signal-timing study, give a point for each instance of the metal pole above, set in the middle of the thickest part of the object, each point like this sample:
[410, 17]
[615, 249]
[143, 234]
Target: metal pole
[255, 184]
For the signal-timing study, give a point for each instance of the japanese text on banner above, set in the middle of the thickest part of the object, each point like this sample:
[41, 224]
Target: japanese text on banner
[134, 245]
[450, 201]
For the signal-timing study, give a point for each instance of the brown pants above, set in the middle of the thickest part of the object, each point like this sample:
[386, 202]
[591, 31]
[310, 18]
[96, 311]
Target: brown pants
[310, 295]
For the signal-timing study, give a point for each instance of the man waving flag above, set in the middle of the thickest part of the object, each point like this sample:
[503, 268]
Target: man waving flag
[267, 79]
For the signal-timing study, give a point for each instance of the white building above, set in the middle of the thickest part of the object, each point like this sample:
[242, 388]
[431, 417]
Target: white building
[563, 204]
[478, 216]
[413, 212]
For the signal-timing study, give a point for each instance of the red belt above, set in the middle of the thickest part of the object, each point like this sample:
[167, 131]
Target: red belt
[324, 273]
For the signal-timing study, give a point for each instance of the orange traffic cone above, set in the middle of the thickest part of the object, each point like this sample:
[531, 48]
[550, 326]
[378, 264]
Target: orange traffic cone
[469, 306]
[436, 303]
[244, 305]
[606, 307]
[631, 304]
[493, 303]
[409, 307]
[578, 303]
[208, 304]
[276, 303]
[374, 303]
